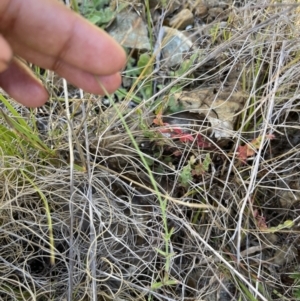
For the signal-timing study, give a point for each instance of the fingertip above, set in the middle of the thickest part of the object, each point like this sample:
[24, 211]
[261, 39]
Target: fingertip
[99, 85]
[121, 58]
[96, 52]
[108, 84]
[19, 82]
[36, 96]
[113, 52]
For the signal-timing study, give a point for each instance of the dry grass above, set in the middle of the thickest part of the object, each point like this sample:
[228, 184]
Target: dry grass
[122, 233]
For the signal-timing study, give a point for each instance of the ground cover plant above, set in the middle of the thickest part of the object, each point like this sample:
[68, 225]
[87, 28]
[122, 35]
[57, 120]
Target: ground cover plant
[183, 185]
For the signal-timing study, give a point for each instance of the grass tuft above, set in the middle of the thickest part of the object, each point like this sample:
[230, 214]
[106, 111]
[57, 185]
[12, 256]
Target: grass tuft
[103, 198]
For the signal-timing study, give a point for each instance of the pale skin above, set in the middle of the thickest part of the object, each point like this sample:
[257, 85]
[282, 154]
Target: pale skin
[49, 35]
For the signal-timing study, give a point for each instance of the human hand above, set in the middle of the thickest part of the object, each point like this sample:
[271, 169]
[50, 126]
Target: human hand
[49, 35]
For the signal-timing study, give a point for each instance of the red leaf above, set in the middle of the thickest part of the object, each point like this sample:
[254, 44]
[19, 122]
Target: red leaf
[201, 142]
[260, 220]
[242, 153]
[177, 153]
[250, 148]
[186, 138]
[176, 130]
[158, 120]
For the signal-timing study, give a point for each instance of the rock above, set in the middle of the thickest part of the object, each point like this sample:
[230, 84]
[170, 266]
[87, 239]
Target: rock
[175, 46]
[183, 19]
[221, 128]
[270, 238]
[288, 198]
[216, 13]
[153, 3]
[220, 108]
[130, 31]
[172, 6]
[199, 8]
[285, 255]
[201, 11]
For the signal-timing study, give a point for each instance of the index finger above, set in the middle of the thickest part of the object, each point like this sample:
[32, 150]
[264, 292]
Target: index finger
[52, 29]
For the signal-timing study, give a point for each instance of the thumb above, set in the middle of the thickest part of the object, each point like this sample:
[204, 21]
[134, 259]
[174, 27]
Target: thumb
[5, 54]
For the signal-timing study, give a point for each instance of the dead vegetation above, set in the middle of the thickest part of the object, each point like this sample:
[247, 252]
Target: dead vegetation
[190, 194]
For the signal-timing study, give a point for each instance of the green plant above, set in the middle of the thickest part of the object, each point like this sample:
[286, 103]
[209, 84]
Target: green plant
[140, 77]
[163, 203]
[296, 285]
[17, 136]
[99, 12]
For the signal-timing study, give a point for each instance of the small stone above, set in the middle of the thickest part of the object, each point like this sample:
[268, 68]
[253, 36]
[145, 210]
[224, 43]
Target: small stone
[288, 198]
[285, 255]
[220, 109]
[153, 3]
[271, 238]
[175, 46]
[169, 8]
[183, 19]
[106, 101]
[172, 7]
[200, 9]
[216, 13]
[130, 31]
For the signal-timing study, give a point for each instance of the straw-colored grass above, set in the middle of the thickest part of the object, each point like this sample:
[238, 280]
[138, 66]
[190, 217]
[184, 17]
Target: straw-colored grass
[98, 203]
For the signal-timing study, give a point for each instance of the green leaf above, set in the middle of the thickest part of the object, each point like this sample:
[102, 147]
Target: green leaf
[149, 161]
[171, 282]
[173, 105]
[247, 292]
[295, 276]
[21, 129]
[147, 90]
[206, 162]
[101, 17]
[286, 225]
[144, 64]
[100, 3]
[123, 93]
[186, 175]
[94, 19]
[156, 285]
[186, 65]
[145, 67]
[161, 252]
[48, 215]
[297, 294]
[169, 235]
